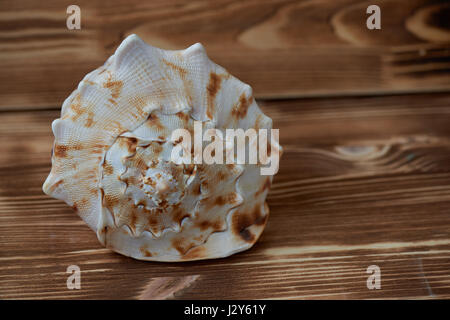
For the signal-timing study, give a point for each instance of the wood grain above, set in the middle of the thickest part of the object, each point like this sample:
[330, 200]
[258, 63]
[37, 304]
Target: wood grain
[363, 181]
[282, 48]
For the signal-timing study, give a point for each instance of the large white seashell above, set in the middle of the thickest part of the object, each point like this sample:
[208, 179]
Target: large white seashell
[111, 156]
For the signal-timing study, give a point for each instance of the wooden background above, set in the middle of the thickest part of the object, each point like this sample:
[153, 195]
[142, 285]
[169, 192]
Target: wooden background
[364, 119]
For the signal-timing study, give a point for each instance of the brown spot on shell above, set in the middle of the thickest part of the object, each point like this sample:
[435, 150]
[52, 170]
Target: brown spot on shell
[213, 87]
[145, 251]
[230, 166]
[225, 199]
[221, 175]
[183, 116]
[154, 164]
[197, 190]
[179, 140]
[205, 184]
[157, 148]
[241, 108]
[107, 168]
[176, 68]
[264, 187]
[220, 200]
[257, 122]
[132, 220]
[102, 194]
[153, 121]
[131, 144]
[140, 163]
[89, 82]
[56, 185]
[246, 235]
[241, 221]
[131, 180]
[97, 148]
[153, 222]
[178, 214]
[76, 108]
[115, 87]
[81, 204]
[195, 253]
[164, 204]
[110, 201]
[188, 88]
[149, 181]
[216, 225]
[115, 126]
[60, 151]
[90, 120]
[188, 169]
[181, 245]
[138, 103]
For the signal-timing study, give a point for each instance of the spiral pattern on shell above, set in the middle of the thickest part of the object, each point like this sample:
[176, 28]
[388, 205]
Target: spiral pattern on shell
[112, 156]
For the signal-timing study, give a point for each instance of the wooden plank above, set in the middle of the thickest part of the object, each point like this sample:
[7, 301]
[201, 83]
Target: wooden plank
[282, 48]
[363, 181]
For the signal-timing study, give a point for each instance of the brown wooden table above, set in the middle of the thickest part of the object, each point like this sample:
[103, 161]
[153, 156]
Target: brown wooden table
[364, 119]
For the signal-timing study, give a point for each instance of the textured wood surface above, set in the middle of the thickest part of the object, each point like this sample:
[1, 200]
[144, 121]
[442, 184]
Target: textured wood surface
[283, 48]
[363, 181]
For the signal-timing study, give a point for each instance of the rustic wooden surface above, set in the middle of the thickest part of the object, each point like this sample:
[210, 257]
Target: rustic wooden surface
[365, 175]
[284, 48]
[363, 181]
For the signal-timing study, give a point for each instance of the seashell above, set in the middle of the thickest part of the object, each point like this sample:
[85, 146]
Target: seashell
[111, 158]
